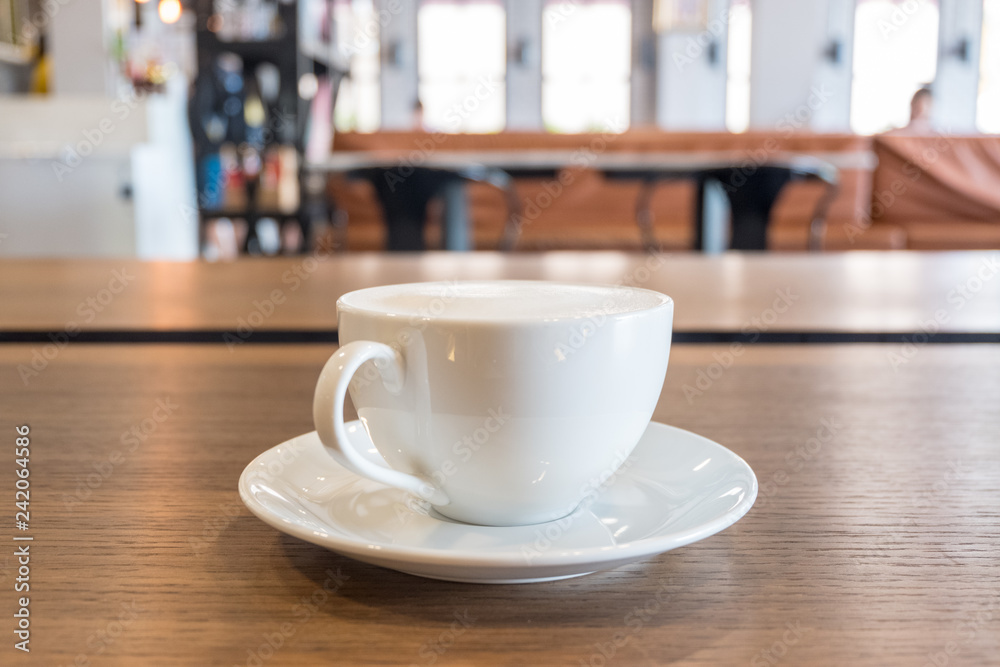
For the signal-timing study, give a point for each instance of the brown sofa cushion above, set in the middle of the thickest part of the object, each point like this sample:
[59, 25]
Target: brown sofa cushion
[951, 234]
[943, 191]
[839, 236]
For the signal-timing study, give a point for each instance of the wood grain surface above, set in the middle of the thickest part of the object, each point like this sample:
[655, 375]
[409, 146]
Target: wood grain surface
[876, 292]
[874, 540]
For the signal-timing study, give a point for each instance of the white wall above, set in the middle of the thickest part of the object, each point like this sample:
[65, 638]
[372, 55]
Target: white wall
[834, 75]
[956, 85]
[691, 74]
[78, 46]
[642, 102]
[524, 64]
[398, 51]
[163, 183]
[793, 82]
[64, 163]
[93, 176]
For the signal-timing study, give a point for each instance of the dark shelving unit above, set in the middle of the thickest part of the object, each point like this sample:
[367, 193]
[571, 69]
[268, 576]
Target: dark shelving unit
[286, 114]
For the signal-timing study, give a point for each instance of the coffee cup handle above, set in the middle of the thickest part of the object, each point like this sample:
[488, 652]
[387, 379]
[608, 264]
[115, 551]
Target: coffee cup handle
[328, 414]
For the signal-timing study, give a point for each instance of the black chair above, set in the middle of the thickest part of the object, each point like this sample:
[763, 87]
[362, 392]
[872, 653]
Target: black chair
[752, 191]
[404, 192]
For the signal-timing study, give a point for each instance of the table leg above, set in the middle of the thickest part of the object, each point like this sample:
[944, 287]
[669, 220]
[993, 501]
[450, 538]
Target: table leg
[714, 217]
[456, 215]
[644, 216]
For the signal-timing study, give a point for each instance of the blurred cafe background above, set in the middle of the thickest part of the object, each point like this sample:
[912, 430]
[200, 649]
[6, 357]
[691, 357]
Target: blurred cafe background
[178, 129]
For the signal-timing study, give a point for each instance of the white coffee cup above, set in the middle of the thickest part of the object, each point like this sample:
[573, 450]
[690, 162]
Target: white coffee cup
[499, 402]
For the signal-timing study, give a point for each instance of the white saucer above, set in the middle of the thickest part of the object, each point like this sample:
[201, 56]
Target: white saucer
[676, 488]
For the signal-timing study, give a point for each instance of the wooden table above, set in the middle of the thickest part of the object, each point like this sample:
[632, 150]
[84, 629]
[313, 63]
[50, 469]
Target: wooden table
[874, 540]
[649, 168]
[553, 160]
[842, 296]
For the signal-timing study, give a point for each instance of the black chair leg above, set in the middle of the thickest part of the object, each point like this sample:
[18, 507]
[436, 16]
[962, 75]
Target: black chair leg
[751, 204]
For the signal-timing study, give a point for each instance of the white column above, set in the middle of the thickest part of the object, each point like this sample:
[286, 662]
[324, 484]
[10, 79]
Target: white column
[80, 62]
[834, 71]
[691, 74]
[398, 45]
[956, 85]
[524, 64]
[642, 103]
[797, 79]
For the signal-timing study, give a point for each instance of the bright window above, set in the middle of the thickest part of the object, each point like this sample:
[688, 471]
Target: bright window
[738, 67]
[357, 40]
[462, 62]
[895, 53]
[988, 112]
[586, 65]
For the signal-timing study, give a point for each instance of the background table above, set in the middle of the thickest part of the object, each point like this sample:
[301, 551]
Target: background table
[518, 161]
[650, 168]
[837, 296]
[873, 542]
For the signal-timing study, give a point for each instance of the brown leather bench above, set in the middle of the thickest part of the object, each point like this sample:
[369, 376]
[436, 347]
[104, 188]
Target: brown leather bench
[939, 192]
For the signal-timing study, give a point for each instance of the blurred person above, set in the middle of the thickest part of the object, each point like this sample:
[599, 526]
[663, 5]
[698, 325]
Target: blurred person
[417, 120]
[921, 112]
